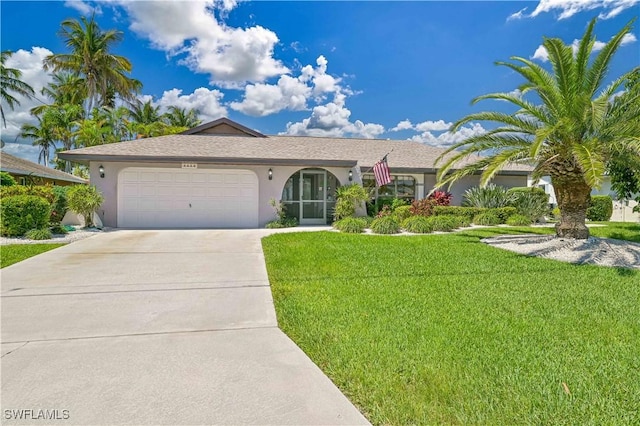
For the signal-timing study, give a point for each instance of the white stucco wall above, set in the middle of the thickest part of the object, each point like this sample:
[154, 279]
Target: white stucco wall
[268, 189]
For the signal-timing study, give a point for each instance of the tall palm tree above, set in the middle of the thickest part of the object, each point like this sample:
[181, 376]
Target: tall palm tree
[569, 134]
[181, 117]
[10, 85]
[42, 135]
[90, 57]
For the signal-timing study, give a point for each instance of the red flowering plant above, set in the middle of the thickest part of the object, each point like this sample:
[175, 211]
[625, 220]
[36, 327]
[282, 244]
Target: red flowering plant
[441, 198]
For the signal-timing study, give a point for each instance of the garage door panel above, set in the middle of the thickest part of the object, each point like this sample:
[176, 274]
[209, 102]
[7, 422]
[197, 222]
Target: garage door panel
[161, 198]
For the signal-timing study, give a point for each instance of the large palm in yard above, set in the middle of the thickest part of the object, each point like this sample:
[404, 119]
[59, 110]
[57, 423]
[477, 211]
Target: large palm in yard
[90, 58]
[10, 85]
[570, 134]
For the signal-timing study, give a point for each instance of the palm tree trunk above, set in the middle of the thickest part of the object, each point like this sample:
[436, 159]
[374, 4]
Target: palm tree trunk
[573, 195]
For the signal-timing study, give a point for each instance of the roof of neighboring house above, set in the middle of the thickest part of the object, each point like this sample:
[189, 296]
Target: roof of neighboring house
[274, 150]
[19, 166]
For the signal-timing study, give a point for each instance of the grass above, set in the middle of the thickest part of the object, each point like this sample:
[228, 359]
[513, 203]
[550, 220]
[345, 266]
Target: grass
[445, 329]
[15, 253]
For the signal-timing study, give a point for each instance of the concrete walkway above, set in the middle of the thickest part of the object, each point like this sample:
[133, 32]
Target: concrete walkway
[156, 327]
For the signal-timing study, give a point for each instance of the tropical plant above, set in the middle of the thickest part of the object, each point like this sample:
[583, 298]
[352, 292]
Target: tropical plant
[401, 213]
[39, 234]
[64, 89]
[488, 197]
[441, 198]
[570, 134]
[518, 220]
[444, 223]
[351, 225]
[467, 212]
[385, 225]
[84, 200]
[42, 136]
[423, 207]
[417, 225]
[531, 202]
[90, 58]
[487, 219]
[348, 199]
[11, 85]
[600, 208]
[181, 117]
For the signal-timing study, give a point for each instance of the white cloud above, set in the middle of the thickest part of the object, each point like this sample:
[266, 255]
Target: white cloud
[21, 150]
[447, 139]
[291, 93]
[567, 8]
[206, 101]
[518, 15]
[542, 55]
[30, 63]
[332, 120]
[190, 30]
[437, 126]
[83, 7]
[403, 125]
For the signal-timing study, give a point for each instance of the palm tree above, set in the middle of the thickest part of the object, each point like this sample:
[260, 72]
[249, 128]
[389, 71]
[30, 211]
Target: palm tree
[570, 134]
[181, 117]
[42, 135]
[90, 58]
[11, 84]
[146, 120]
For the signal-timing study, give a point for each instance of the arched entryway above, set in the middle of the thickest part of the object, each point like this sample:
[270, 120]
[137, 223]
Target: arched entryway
[309, 195]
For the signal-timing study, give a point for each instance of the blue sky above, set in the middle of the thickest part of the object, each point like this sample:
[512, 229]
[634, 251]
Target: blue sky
[399, 70]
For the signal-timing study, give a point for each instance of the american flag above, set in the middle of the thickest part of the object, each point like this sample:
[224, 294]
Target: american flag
[381, 172]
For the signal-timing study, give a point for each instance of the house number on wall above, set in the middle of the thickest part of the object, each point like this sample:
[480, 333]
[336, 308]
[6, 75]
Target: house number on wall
[189, 165]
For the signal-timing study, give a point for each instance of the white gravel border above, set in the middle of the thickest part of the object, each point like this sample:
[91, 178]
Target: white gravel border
[592, 251]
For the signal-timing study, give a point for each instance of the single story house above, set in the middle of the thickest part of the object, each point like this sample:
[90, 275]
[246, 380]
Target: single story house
[223, 175]
[27, 172]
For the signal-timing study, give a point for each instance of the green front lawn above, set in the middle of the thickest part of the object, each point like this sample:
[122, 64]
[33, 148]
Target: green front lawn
[445, 329]
[15, 253]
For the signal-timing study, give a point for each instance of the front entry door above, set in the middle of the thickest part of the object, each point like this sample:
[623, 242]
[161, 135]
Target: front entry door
[313, 188]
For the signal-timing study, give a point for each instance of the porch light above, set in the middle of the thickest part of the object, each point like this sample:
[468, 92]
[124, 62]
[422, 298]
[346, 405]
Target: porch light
[350, 175]
[101, 170]
[270, 174]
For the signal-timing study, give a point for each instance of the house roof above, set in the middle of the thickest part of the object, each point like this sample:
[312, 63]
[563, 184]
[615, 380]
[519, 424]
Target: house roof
[404, 156]
[19, 166]
[222, 123]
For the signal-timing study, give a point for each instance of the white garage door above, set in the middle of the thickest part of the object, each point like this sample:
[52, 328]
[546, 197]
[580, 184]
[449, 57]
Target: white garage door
[187, 198]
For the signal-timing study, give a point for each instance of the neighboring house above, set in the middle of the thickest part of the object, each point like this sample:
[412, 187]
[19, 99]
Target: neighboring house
[27, 172]
[622, 209]
[223, 175]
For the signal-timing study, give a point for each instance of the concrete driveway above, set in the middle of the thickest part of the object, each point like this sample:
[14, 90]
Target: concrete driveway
[155, 327]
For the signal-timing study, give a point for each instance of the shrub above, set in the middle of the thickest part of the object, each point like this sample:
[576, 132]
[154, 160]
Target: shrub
[600, 208]
[504, 213]
[39, 234]
[490, 197]
[422, 207]
[59, 205]
[398, 202]
[443, 223]
[288, 222]
[349, 197]
[20, 213]
[441, 198]
[462, 221]
[44, 191]
[351, 225]
[401, 213]
[518, 220]
[6, 179]
[386, 211]
[84, 200]
[367, 220]
[487, 219]
[468, 212]
[385, 225]
[417, 225]
[531, 202]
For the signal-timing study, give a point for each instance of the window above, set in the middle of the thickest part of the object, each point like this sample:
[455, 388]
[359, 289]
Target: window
[401, 186]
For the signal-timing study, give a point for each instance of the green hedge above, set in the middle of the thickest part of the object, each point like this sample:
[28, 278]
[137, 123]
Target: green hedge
[600, 208]
[503, 213]
[6, 179]
[351, 225]
[385, 225]
[22, 213]
[417, 225]
[468, 212]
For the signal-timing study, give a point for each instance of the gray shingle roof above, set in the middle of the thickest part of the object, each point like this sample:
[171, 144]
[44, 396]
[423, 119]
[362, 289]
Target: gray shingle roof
[405, 155]
[19, 166]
